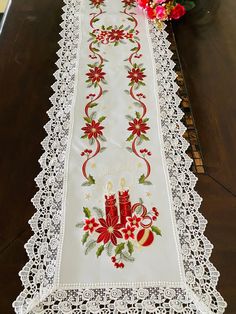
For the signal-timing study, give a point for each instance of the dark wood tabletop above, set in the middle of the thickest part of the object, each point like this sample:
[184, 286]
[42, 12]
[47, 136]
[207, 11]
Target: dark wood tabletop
[28, 44]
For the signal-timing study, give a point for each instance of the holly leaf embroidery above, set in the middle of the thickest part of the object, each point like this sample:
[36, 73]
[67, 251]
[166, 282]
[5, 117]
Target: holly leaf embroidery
[128, 258]
[130, 247]
[156, 230]
[91, 180]
[87, 212]
[98, 211]
[100, 250]
[85, 238]
[80, 224]
[142, 179]
[119, 248]
[109, 248]
[89, 246]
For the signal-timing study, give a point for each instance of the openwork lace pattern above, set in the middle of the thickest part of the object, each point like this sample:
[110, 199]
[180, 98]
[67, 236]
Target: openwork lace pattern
[39, 294]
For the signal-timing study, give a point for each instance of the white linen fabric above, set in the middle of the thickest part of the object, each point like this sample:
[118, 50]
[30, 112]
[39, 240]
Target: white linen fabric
[117, 227]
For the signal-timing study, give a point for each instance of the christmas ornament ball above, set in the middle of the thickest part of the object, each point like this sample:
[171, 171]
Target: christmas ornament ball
[145, 237]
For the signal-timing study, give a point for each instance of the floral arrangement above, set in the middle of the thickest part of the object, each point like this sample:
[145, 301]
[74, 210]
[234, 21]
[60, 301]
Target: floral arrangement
[118, 235]
[164, 10]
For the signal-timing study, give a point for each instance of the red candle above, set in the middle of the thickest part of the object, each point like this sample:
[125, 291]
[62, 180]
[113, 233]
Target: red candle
[125, 206]
[110, 205]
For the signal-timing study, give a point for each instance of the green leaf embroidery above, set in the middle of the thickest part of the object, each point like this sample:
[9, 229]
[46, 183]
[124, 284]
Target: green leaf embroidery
[144, 137]
[102, 138]
[130, 247]
[91, 141]
[142, 179]
[101, 119]
[100, 250]
[87, 212]
[139, 210]
[129, 117]
[126, 257]
[91, 180]
[138, 115]
[119, 248]
[85, 237]
[156, 230]
[109, 248]
[93, 104]
[129, 149]
[147, 183]
[89, 246]
[87, 119]
[80, 224]
[138, 105]
[130, 138]
[98, 212]
[102, 149]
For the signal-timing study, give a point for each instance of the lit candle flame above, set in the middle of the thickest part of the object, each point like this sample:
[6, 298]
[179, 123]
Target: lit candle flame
[122, 183]
[109, 187]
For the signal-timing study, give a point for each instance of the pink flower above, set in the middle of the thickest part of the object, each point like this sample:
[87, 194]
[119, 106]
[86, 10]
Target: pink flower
[177, 12]
[161, 12]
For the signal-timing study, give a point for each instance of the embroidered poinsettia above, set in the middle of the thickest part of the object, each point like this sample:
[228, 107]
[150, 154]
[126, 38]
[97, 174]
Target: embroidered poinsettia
[128, 232]
[97, 3]
[109, 230]
[90, 225]
[96, 74]
[116, 34]
[136, 75]
[93, 129]
[137, 126]
[134, 221]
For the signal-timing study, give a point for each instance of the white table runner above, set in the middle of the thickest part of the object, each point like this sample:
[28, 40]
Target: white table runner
[117, 228]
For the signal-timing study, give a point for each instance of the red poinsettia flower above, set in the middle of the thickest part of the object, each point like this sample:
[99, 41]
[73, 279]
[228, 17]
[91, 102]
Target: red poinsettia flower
[116, 34]
[90, 225]
[136, 75]
[95, 74]
[93, 129]
[138, 127]
[134, 221]
[97, 3]
[128, 232]
[109, 230]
